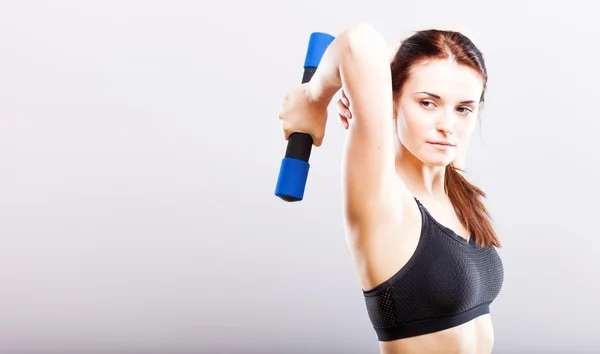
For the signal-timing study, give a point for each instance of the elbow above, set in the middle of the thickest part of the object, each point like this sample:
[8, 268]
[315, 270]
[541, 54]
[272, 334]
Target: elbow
[364, 38]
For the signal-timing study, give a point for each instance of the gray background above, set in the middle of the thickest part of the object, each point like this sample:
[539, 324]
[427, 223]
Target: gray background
[139, 149]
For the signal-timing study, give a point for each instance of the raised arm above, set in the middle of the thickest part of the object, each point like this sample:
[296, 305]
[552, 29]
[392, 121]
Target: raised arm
[358, 60]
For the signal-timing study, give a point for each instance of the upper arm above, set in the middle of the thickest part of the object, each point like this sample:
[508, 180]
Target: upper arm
[369, 156]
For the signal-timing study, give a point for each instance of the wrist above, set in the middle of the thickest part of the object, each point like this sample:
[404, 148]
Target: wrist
[320, 91]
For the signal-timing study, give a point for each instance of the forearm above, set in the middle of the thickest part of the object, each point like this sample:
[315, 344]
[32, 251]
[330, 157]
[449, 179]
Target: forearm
[327, 80]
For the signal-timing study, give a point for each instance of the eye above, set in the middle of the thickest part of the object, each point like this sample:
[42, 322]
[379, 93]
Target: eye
[427, 104]
[464, 110]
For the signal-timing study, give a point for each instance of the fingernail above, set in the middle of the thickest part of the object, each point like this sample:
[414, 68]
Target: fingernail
[347, 114]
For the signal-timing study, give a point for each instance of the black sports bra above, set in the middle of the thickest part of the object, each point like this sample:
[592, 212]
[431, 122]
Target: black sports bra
[448, 281]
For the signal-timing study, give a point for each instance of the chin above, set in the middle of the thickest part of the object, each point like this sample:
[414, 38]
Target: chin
[432, 157]
[437, 161]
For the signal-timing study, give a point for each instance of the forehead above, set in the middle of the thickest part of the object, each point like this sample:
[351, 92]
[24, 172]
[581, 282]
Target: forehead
[445, 78]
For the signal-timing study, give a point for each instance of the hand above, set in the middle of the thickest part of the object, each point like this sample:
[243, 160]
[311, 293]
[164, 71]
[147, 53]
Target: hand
[344, 110]
[300, 113]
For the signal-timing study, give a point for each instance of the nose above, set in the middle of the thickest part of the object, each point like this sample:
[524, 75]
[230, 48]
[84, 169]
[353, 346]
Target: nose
[445, 123]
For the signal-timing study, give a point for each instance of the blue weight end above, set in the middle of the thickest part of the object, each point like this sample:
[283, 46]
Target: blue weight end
[292, 179]
[317, 44]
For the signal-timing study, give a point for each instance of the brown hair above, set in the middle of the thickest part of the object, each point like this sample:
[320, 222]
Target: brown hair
[434, 45]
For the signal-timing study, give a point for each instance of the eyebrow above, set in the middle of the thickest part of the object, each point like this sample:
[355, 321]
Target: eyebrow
[439, 98]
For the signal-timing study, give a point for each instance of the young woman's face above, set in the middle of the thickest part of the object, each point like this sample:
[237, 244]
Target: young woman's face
[437, 110]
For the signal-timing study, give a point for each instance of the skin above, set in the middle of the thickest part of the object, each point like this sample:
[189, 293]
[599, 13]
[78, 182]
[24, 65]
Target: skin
[423, 118]
[389, 159]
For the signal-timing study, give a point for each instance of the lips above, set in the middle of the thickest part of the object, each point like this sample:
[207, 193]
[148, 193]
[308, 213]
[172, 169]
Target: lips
[444, 143]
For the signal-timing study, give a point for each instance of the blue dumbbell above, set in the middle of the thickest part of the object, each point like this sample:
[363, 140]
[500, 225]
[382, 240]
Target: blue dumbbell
[293, 172]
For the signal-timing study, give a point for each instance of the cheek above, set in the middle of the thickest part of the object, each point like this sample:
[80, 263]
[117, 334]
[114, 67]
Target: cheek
[412, 124]
[467, 127]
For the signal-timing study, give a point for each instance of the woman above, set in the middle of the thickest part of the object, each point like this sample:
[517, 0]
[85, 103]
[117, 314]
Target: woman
[419, 234]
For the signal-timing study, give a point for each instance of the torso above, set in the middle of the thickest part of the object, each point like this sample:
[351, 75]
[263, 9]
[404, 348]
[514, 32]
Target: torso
[474, 337]
[389, 245]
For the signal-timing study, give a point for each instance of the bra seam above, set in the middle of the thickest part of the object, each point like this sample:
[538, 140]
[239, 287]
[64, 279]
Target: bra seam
[438, 317]
[445, 230]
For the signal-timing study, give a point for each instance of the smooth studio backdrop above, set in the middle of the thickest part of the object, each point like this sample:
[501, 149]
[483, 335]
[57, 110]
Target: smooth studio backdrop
[140, 146]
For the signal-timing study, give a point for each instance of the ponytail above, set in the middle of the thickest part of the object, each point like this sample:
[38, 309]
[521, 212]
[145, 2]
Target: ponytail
[468, 205]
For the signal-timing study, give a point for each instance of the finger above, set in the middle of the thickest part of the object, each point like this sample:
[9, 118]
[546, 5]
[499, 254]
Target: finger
[344, 99]
[344, 121]
[343, 110]
[341, 106]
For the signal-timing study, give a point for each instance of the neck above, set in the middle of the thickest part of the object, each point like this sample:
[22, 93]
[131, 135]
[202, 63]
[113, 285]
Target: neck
[424, 182]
